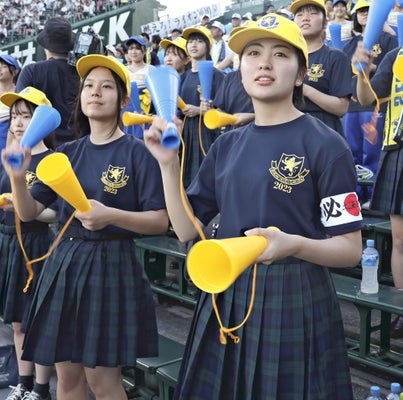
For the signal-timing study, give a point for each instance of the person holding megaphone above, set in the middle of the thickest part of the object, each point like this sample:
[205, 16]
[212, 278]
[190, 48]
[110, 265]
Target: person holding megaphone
[35, 235]
[288, 170]
[94, 312]
[388, 188]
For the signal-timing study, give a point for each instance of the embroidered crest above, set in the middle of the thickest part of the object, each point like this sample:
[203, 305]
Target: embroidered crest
[315, 72]
[114, 178]
[30, 178]
[376, 50]
[269, 22]
[289, 169]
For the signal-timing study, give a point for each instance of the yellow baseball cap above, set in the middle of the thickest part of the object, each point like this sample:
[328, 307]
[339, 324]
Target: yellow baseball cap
[198, 29]
[178, 42]
[361, 4]
[295, 5]
[29, 94]
[269, 26]
[86, 63]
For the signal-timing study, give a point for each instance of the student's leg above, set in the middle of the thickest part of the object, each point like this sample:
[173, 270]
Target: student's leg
[397, 250]
[106, 383]
[71, 383]
[25, 368]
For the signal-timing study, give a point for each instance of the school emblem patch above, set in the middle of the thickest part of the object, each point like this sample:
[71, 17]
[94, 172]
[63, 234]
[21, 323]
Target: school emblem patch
[315, 72]
[30, 178]
[288, 171]
[114, 178]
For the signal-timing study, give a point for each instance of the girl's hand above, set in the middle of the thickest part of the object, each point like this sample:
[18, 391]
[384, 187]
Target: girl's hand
[6, 202]
[280, 244]
[191, 111]
[95, 219]
[15, 149]
[152, 140]
[361, 55]
[205, 105]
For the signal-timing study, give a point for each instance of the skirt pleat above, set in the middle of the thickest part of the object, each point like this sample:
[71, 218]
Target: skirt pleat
[94, 306]
[292, 346]
[14, 303]
[387, 195]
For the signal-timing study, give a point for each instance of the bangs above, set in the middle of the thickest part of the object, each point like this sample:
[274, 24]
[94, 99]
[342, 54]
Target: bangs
[21, 106]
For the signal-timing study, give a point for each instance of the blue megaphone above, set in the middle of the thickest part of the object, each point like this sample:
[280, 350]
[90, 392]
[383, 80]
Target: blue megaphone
[205, 71]
[377, 15]
[163, 84]
[45, 119]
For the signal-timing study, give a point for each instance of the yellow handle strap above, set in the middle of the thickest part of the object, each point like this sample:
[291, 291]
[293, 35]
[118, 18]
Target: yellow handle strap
[228, 331]
[200, 132]
[371, 134]
[29, 262]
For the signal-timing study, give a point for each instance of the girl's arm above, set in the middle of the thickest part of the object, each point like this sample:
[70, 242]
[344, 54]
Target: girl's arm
[332, 104]
[337, 251]
[170, 170]
[154, 222]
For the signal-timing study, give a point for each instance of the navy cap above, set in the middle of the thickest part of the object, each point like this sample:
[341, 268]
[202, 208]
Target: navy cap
[10, 61]
[137, 39]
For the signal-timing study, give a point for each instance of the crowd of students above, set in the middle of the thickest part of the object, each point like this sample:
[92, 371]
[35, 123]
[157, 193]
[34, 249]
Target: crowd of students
[290, 161]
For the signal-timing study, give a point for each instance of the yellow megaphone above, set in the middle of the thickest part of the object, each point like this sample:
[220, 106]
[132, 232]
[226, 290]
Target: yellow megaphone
[398, 68]
[215, 119]
[55, 171]
[214, 264]
[131, 118]
[5, 199]
[181, 104]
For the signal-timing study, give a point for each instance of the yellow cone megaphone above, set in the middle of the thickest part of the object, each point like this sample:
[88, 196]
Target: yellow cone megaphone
[131, 118]
[5, 199]
[55, 171]
[398, 68]
[214, 264]
[214, 119]
[181, 104]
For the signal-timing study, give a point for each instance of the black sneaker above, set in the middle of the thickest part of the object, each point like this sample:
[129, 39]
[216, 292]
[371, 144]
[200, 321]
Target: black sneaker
[18, 392]
[396, 331]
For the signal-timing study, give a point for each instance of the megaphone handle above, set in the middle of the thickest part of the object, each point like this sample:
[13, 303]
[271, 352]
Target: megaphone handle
[15, 160]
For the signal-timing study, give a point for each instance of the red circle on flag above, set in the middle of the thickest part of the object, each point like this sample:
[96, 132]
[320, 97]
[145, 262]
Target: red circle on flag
[352, 205]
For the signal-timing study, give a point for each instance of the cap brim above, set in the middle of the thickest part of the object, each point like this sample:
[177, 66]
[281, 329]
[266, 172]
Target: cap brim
[299, 3]
[86, 63]
[10, 98]
[188, 31]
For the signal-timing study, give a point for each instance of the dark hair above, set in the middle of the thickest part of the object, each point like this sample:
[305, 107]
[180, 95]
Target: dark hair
[356, 25]
[156, 39]
[16, 107]
[81, 121]
[11, 69]
[146, 35]
[298, 93]
[197, 36]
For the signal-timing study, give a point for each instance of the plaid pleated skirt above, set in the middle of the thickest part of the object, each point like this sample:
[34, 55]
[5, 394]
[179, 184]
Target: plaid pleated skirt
[387, 195]
[93, 305]
[291, 347]
[14, 303]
